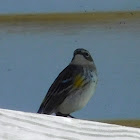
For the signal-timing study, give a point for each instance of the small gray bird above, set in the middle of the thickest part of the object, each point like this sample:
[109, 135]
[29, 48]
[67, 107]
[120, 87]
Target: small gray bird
[73, 87]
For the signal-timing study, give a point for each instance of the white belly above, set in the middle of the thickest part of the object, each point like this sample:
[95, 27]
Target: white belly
[77, 100]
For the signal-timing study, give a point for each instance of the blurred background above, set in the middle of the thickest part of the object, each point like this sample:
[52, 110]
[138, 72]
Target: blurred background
[54, 6]
[34, 52]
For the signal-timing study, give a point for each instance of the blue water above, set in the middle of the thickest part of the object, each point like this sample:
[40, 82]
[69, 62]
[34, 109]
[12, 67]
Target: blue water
[55, 6]
[33, 54]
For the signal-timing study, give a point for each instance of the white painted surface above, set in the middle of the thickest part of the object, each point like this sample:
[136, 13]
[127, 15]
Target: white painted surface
[16, 125]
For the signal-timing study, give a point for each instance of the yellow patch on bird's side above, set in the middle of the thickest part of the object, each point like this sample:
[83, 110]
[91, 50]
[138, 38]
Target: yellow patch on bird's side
[79, 81]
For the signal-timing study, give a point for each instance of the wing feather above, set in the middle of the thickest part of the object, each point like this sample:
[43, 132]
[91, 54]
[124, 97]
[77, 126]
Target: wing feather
[59, 90]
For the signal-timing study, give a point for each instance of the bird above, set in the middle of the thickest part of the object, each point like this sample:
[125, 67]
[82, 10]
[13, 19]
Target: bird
[73, 88]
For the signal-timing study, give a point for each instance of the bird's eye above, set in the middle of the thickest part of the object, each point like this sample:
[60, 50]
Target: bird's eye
[86, 54]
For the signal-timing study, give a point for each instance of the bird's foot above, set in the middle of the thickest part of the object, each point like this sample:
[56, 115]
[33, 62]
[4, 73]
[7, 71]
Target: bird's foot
[64, 115]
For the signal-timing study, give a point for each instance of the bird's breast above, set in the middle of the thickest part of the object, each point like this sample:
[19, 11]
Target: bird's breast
[77, 100]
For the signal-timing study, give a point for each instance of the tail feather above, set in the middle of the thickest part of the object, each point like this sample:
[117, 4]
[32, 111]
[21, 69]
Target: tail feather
[40, 110]
[45, 110]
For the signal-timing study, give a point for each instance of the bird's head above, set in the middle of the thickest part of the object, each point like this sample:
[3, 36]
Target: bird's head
[81, 57]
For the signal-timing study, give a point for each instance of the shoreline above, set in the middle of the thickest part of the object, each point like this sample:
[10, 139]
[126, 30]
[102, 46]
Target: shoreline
[84, 17]
[130, 123]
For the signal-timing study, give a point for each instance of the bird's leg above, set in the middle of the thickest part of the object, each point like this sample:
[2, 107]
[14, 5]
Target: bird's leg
[70, 116]
[63, 115]
[60, 114]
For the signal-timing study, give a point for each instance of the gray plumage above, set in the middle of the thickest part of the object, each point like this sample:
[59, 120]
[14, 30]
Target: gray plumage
[66, 95]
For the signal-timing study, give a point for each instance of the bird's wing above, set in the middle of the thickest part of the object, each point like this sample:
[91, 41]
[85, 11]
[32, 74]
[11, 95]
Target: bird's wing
[66, 82]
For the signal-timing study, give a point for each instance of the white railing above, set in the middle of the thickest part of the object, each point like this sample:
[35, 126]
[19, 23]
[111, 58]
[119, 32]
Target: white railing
[16, 125]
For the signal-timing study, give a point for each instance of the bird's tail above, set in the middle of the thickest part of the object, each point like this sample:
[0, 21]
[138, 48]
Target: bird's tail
[40, 110]
[46, 108]
[43, 110]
